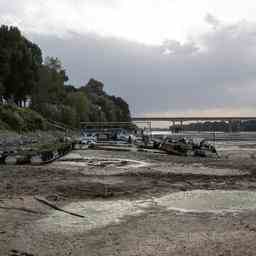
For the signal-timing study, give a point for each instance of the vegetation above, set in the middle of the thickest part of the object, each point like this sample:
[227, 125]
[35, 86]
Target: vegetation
[27, 81]
[221, 126]
[20, 60]
[20, 119]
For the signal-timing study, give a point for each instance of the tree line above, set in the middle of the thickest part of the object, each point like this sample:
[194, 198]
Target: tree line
[221, 126]
[26, 79]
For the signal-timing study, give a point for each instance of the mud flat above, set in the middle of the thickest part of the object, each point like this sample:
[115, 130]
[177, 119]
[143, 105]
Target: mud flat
[133, 203]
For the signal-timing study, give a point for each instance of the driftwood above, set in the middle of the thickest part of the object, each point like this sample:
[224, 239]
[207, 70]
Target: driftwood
[46, 202]
[20, 209]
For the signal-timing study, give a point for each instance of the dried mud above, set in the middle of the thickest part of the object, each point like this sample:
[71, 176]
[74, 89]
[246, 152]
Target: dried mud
[123, 216]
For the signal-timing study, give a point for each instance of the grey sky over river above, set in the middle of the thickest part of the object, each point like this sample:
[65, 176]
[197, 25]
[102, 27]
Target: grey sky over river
[163, 58]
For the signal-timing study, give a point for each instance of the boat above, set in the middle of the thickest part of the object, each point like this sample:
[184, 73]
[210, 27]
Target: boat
[205, 149]
[186, 147]
[181, 147]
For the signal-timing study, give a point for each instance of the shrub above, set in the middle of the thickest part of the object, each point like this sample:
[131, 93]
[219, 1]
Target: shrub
[21, 120]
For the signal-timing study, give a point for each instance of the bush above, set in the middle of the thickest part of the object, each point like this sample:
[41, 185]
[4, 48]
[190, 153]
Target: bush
[18, 119]
[32, 119]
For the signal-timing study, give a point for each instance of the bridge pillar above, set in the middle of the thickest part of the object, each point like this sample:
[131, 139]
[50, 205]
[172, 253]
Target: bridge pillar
[199, 126]
[230, 122]
[181, 126]
[238, 126]
[150, 129]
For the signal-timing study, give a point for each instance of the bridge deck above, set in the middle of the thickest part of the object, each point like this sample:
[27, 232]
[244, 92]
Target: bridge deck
[194, 118]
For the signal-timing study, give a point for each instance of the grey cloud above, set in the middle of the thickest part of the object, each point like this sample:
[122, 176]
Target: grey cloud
[211, 77]
[210, 19]
[175, 47]
[10, 7]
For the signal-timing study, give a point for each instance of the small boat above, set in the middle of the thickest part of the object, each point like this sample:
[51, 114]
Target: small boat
[185, 147]
[205, 149]
[181, 147]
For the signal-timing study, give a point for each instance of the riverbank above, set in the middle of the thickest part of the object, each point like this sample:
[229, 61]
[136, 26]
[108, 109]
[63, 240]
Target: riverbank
[120, 195]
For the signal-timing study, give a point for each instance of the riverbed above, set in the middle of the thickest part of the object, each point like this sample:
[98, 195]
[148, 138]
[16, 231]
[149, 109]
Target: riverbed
[132, 203]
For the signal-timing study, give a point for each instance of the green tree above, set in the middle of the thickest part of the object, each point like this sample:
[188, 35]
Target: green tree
[20, 60]
[50, 86]
[80, 103]
[1, 92]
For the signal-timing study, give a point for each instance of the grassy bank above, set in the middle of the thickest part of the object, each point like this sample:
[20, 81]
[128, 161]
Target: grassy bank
[17, 119]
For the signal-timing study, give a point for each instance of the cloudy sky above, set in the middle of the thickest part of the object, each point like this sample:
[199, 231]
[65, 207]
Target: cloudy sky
[165, 57]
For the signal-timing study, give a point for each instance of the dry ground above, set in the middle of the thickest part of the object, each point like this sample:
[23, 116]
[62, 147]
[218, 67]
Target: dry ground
[155, 231]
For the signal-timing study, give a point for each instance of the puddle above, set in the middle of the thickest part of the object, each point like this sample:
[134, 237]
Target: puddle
[209, 201]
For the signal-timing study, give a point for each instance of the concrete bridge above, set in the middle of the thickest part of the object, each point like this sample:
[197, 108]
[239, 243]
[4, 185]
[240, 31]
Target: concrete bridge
[192, 118]
[181, 120]
[176, 121]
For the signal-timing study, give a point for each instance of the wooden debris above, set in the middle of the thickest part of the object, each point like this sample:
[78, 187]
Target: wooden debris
[46, 202]
[20, 209]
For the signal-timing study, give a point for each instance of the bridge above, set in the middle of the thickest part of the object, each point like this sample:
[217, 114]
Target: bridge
[182, 119]
[192, 118]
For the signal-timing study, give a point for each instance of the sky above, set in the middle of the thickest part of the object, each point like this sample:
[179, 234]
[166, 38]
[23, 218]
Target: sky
[164, 57]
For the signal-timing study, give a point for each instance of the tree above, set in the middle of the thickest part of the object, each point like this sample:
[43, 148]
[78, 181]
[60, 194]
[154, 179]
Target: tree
[1, 92]
[55, 65]
[80, 103]
[112, 108]
[50, 86]
[23, 73]
[123, 112]
[20, 60]
[70, 88]
[95, 87]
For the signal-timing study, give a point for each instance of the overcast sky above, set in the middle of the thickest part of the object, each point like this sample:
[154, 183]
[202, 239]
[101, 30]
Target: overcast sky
[165, 57]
